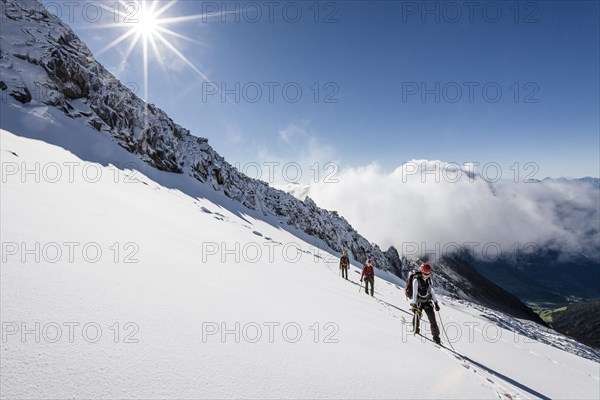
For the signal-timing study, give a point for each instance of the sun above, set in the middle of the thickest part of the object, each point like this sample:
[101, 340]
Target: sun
[146, 27]
[146, 23]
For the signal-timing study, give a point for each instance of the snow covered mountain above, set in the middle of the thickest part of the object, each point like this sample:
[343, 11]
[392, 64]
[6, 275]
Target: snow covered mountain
[43, 62]
[136, 262]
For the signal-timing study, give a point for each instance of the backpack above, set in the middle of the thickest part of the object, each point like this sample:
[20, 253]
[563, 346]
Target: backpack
[409, 282]
[344, 261]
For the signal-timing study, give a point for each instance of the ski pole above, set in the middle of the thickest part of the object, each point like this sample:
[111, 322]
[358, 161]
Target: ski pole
[360, 287]
[444, 329]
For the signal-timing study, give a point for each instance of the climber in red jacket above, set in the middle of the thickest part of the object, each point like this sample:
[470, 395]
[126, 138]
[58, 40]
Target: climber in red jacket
[368, 273]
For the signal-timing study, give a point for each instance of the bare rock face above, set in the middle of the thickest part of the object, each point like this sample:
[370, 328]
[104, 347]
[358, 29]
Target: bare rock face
[394, 261]
[61, 70]
[21, 94]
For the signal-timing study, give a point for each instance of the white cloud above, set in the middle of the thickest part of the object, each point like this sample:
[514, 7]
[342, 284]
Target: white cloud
[419, 212]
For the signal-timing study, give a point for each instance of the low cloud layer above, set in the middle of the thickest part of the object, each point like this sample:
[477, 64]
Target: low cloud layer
[432, 207]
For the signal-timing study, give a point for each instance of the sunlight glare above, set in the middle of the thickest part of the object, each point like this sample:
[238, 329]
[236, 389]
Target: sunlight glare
[147, 22]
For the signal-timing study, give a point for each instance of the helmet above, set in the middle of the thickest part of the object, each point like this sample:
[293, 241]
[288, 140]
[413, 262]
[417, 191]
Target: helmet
[425, 268]
[368, 261]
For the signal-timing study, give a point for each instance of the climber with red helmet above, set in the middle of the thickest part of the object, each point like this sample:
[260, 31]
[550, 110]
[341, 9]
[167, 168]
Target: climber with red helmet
[424, 299]
[369, 275]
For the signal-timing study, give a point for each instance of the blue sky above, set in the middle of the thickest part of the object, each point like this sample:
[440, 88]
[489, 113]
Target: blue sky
[362, 68]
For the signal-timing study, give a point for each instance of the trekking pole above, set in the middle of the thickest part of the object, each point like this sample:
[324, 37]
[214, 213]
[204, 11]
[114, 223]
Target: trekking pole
[417, 319]
[445, 334]
[360, 287]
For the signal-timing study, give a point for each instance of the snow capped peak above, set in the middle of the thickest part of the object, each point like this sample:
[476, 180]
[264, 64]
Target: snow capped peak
[61, 68]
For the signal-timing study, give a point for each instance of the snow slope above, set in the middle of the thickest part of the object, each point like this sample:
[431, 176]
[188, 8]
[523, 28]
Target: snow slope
[42, 61]
[172, 288]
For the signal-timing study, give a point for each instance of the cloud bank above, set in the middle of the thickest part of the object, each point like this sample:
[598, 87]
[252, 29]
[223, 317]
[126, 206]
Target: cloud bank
[434, 207]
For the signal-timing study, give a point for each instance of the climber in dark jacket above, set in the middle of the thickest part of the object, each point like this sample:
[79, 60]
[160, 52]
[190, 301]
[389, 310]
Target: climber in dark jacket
[424, 299]
[344, 264]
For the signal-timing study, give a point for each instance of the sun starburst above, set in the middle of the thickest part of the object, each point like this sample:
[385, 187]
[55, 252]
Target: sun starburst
[145, 26]
[146, 23]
